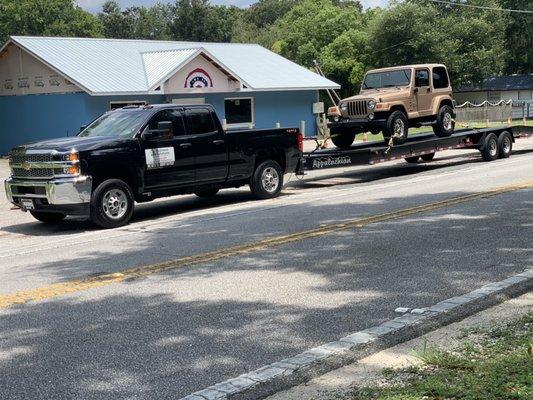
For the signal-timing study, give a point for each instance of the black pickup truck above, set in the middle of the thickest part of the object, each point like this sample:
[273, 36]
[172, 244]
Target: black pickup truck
[137, 154]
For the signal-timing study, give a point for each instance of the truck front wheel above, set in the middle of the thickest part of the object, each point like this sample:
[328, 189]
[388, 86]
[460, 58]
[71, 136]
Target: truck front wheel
[267, 180]
[111, 204]
[48, 218]
[397, 127]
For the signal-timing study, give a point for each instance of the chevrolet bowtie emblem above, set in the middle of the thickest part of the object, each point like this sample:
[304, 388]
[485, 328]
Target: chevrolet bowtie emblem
[26, 166]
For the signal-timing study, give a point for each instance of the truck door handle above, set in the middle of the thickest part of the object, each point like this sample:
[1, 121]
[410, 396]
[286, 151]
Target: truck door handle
[185, 145]
[218, 141]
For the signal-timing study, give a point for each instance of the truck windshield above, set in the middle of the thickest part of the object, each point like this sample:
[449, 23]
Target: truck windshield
[122, 123]
[376, 80]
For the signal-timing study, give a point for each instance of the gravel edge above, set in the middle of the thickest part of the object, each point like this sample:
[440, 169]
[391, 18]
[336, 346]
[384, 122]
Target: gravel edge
[298, 369]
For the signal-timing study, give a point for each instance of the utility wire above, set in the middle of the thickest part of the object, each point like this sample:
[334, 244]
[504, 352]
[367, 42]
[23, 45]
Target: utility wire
[451, 3]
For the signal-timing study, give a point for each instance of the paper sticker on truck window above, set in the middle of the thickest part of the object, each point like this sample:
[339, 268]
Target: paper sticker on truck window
[160, 157]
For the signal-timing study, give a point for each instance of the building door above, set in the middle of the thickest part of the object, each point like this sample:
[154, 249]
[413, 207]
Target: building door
[169, 160]
[209, 146]
[423, 92]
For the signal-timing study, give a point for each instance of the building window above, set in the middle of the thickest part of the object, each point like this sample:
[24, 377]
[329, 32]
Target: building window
[525, 95]
[239, 111]
[119, 104]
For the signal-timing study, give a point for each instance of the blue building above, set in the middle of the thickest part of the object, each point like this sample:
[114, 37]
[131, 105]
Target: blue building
[49, 87]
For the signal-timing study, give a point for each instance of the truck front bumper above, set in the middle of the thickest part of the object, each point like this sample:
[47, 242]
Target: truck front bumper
[65, 195]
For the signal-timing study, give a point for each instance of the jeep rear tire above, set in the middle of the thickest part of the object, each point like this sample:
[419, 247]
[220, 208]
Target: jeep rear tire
[112, 204]
[396, 127]
[267, 180]
[445, 122]
[343, 140]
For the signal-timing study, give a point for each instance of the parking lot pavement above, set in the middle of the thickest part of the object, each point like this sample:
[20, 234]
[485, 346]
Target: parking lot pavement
[166, 335]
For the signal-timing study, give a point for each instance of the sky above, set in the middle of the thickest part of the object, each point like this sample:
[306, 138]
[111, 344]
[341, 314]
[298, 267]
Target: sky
[95, 6]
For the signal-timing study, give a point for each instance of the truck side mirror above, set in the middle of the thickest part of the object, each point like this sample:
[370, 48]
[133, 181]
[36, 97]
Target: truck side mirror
[164, 128]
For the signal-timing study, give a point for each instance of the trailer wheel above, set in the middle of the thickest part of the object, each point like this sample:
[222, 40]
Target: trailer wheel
[111, 204]
[267, 180]
[397, 127]
[445, 122]
[490, 149]
[343, 140]
[412, 160]
[505, 145]
[428, 157]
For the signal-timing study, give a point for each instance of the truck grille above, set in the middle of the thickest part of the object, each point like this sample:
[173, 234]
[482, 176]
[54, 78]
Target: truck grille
[357, 108]
[33, 173]
[19, 158]
[34, 165]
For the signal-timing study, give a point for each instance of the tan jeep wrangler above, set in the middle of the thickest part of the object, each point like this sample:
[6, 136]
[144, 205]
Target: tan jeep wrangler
[393, 99]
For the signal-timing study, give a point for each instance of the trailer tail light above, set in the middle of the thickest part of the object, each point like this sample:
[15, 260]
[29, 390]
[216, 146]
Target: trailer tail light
[300, 142]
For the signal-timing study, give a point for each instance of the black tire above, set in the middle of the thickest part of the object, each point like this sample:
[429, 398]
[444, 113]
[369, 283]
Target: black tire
[445, 122]
[505, 145]
[396, 123]
[267, 180]
[48, 218]
[206, 193]
[490, 149]
[343, 140]
[112, 204]
[427, 157]
[412, 160]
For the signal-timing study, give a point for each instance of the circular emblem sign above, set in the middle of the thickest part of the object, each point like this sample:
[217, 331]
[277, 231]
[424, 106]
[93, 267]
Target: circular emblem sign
[198, 78]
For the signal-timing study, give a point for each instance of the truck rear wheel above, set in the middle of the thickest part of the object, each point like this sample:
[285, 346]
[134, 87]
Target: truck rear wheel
[343, 140]
[111, 204]
[412, 160]
[267, 180]
[427, 157]
[397, 127]
[445, 122]
[490, 149]
[48, 218]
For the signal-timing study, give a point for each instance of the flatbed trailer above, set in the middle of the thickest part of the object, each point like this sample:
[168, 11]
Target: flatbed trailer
[492, 143]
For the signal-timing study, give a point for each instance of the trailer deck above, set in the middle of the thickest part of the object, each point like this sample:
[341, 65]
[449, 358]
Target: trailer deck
[425, 145]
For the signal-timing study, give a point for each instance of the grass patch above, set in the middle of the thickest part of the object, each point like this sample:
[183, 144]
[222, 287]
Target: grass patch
[495, 365]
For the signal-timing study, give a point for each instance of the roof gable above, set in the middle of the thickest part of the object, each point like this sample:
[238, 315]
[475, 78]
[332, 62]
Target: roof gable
[112, 66]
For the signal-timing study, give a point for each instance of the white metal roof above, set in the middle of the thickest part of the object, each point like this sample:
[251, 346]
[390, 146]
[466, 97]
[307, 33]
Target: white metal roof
[114, 66]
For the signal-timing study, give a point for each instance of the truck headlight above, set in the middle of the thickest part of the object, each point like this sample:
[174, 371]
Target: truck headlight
[72, 170]
[371, 104]
[344, 107]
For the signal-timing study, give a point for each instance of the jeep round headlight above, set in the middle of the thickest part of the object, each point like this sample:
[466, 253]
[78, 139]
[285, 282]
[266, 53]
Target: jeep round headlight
[371, 104]
[344, 107]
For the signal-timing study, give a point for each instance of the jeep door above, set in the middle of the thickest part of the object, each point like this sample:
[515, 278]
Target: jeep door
[423, 93]
[169, 160]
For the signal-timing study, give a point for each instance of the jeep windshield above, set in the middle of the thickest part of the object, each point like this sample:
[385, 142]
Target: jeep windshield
[120, 123]
[377, 80]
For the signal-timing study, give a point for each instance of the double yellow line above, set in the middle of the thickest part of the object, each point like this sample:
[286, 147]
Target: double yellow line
[78, 285]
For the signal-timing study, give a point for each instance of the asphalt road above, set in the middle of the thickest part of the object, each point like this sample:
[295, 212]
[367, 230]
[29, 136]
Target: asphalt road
[169, 334]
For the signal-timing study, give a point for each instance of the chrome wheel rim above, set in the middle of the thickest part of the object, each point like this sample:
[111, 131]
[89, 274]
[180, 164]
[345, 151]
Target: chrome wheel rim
[447, 121]
[399, 128]
[115, 204]
[493, 147]
[270, 179]
[506, 146]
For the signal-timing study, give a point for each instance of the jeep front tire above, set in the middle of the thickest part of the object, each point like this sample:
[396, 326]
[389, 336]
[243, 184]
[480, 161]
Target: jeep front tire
[445, 124]
[396, 127]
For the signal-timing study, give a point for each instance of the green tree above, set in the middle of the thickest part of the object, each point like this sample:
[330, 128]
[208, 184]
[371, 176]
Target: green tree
[46, 18]
[519, 38]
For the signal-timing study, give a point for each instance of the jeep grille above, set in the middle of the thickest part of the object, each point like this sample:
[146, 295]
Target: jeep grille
[357, 108]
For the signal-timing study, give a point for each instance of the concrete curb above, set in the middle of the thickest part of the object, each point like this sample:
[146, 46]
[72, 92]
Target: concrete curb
[295, 370]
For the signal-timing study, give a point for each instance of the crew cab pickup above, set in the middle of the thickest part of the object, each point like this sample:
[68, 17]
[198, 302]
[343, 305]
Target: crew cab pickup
[136, 154]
